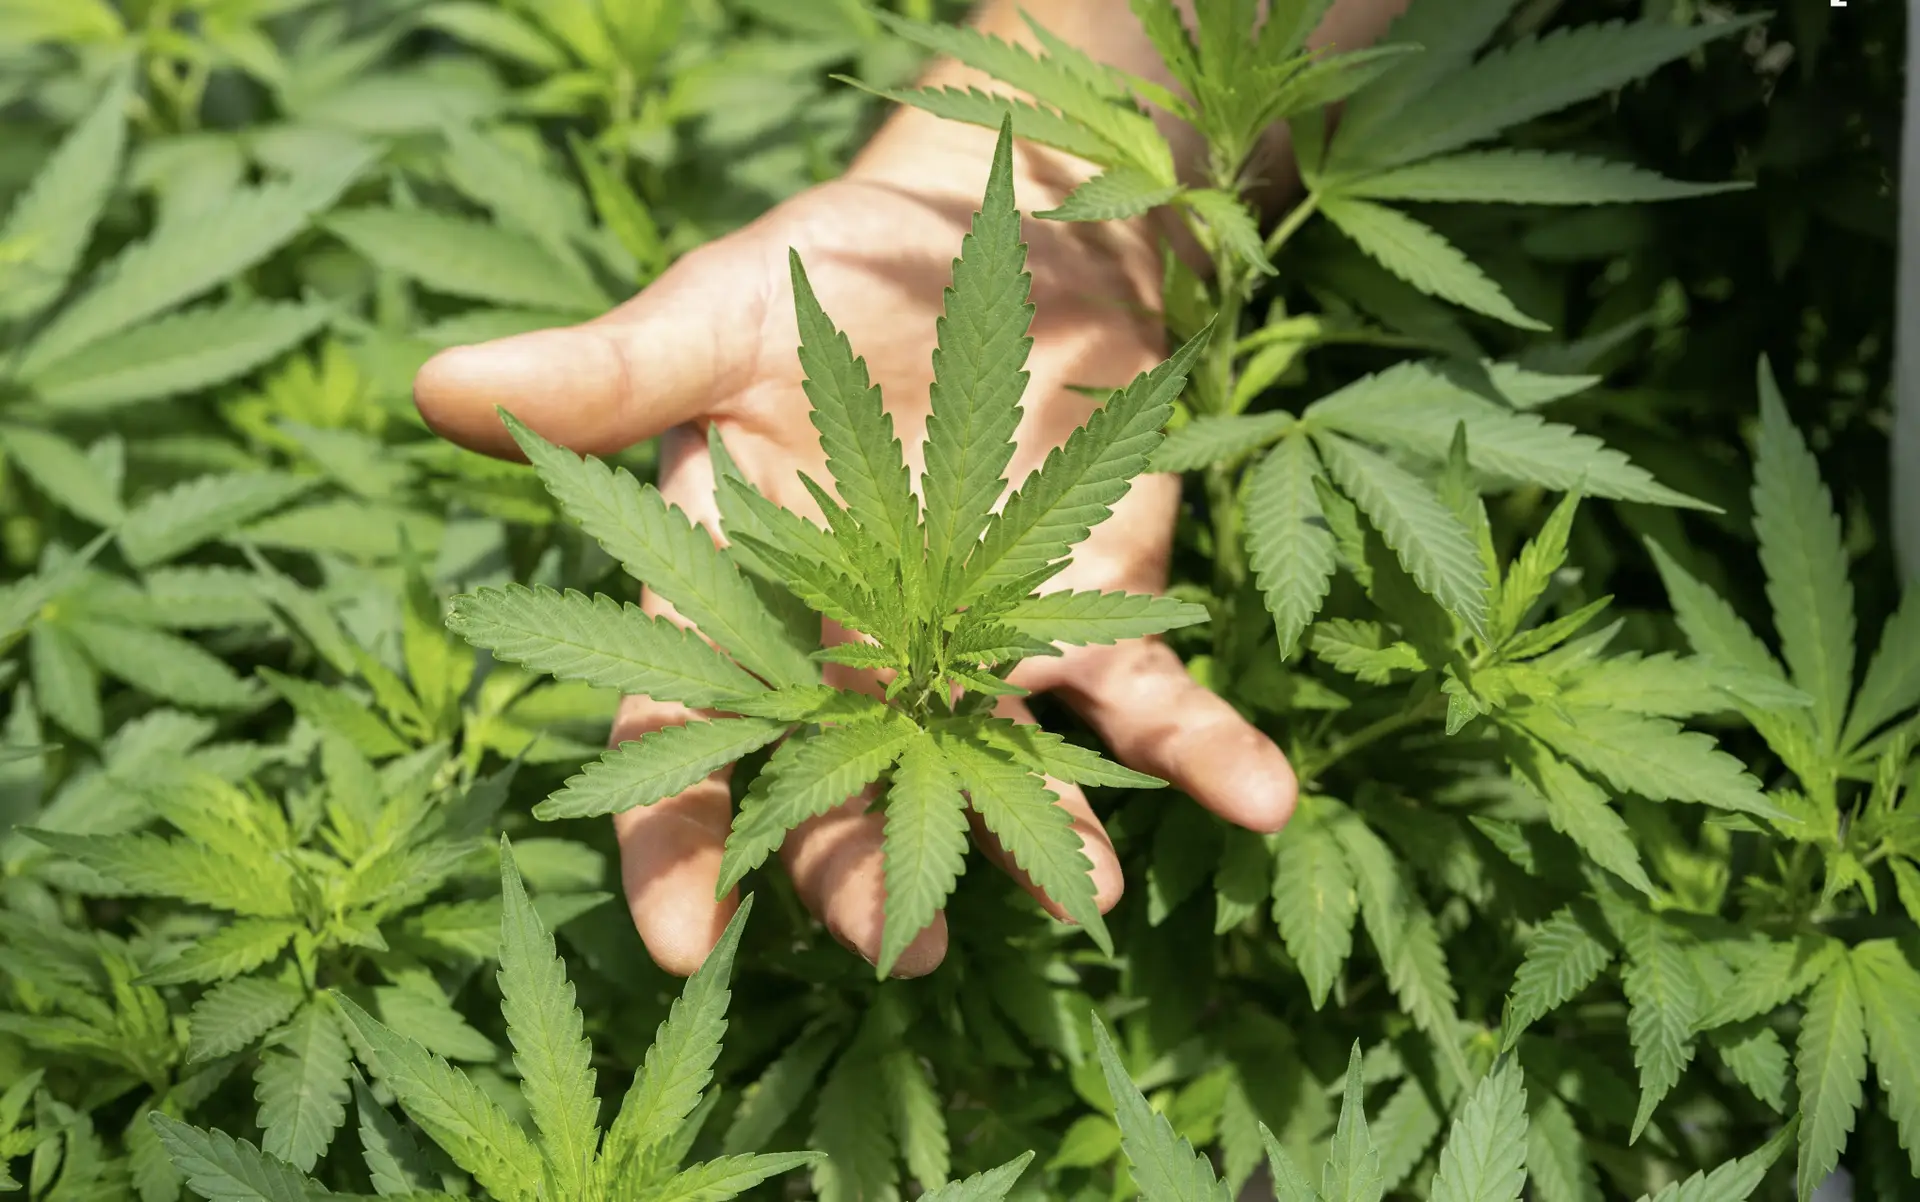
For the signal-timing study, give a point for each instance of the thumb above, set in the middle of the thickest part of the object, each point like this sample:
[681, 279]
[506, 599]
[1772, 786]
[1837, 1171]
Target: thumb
[663, 358]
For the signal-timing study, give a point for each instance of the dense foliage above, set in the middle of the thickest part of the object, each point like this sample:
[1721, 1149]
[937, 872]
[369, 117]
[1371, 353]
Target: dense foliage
[1507, 516]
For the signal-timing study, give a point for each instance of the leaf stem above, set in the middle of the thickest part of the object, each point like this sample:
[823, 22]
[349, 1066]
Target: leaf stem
[1311, 765]
[1290, 225]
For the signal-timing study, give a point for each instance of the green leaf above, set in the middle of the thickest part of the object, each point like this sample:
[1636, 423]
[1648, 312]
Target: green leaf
[471, 1127]
[65, 473]
[1288, 23]
[1415, 407]
[1669, 686]
[66, 684]
[1403, 1130]
[1329, 79]
[168, 523]
[1165, 1167]
[49, 225]
[301, 1086]
[850, 1125]
[919, 1122]
[1079, 618]
[1557, 1164]
[1230, 225]
[657, 765]
[1733, 1181]
[221, 1168]
[186, 869]
[993, 1185]
[1065, 80]
[395, 1164]
[1830, 1062]
[181, 352]
[550, 1047]
[517, 189]
[727, 1177]
[495, 30]
[235, 948]
[1030, 823]
[1289, 1184]
[1352, 1171]
[231, 1016]
[1051, 755]
[335, 711]
[1403, 934]
[767, 1104]
[463, 257]
[1890, 1002]
[1117, 194]
[1288, 544]
[1030, 122]
[1652, 757]
[184, 258]
[1665, 999]
[1805, 557]
[1892, 685]
[1578, 809]
[925, 844]
[1074, 490]
[1448, 36]
[658, 545]
[1485, 1157]
[1428, 540]
[978, 374]
[1565, 955]
[1208, 440]
[620, 209]
[1774, 973]
[1314, 902]
[1164, 28]
[807, 777]
[1528, 79]
[679, 1064]
[154, 1176]
[868, 466]
[597, 640]
[1712, 628]
[1420, 256]
[1525, 177]
[1753, 1053]
[162, 665]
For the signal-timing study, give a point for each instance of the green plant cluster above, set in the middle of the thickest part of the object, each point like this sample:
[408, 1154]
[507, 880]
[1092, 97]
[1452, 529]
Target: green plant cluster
[1577, 625]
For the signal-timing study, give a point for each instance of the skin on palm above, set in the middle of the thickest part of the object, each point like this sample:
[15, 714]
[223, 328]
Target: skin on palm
[712, 343]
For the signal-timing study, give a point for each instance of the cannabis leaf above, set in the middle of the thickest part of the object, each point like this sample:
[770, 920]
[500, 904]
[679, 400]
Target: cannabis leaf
[1831, 1063]
[1165, 1166]
[945, 598]
[554, 1059]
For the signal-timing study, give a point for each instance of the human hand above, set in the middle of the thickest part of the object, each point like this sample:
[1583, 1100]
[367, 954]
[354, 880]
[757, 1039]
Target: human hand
[712, 342]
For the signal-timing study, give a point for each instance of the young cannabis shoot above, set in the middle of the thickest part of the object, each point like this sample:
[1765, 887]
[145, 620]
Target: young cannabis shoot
[568, 1154]
[941, 587]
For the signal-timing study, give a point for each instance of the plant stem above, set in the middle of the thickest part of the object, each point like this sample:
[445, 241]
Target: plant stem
[1290, 225]
[1311, 766]
[1223, 500]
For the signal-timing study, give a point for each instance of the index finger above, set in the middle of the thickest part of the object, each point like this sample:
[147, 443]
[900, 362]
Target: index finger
[657, 361]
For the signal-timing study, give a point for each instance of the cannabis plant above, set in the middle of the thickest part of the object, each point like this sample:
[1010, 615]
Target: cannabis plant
[941, 592]
[348, 876]
[1617, 902]
[1416, 102]
[1379, 482]
[639, 1155]
[1484, 1158]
